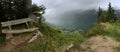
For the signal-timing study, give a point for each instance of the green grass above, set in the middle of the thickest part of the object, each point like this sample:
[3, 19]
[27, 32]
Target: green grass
[105, 29]
[52, 41]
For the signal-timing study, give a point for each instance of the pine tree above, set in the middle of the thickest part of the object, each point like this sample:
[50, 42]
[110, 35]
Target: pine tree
[0, 17]
[111, 17]
[2, 36]
[107, 16]
[100, 11]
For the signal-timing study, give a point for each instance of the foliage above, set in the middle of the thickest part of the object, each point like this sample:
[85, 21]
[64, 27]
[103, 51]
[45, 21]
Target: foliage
[38, 11]
[2, 36]
[17, 9]
[0, 18]
[14, 9]
[97, 29]
[36, 8]
[107, 16]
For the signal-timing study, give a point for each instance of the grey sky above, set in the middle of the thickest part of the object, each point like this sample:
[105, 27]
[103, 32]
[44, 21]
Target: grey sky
[57, 7]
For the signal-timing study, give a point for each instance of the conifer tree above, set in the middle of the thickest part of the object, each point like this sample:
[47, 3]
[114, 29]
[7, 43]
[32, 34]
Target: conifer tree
[2, 36]
[100, 11]
[0, 17]
[107, 16]
[111, 17]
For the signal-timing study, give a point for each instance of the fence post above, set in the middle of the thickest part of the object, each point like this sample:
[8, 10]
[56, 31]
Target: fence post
[27, 25]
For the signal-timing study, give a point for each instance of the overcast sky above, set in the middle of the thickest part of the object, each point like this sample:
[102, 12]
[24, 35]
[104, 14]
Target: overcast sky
[56, 7]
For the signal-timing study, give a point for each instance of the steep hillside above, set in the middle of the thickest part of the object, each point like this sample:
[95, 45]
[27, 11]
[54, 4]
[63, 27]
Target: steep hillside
[108, 29]
[55, 40]
[103, 37]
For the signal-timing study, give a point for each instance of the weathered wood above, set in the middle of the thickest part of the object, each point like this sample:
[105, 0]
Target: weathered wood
[36, 35]
[10, 28]
[15, 22]
[19, 31]
[27, 25]
[9, 36]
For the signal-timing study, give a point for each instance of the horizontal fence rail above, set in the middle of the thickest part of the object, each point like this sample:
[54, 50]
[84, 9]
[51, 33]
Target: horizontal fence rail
[15, 22]
[19, 31]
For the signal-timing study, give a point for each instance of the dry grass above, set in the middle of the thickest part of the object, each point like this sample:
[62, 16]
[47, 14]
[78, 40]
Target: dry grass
[16, 40]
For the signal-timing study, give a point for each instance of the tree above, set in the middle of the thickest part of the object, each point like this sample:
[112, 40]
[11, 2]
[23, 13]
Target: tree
[111, 14]
[107, 16]
[16, 9]
[0, 17]
[38, 11]
[100, 11]
[103, 17]
[2, 36]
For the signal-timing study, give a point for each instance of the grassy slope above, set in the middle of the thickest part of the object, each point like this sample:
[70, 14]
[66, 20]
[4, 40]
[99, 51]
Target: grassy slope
[52, 41]
[105, 29]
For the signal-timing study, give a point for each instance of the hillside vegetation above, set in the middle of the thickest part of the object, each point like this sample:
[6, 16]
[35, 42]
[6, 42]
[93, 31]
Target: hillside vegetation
[106, 29]
[53, 40]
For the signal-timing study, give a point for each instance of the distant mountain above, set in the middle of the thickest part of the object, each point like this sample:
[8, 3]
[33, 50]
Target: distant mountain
[79, 19]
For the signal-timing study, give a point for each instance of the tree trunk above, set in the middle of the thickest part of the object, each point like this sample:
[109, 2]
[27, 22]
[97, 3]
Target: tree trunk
[28, 4]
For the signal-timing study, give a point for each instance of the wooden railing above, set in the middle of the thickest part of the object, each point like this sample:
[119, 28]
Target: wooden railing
[15, 22]
[19, 31]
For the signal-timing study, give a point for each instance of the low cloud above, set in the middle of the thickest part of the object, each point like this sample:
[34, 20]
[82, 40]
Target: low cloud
[55, 8]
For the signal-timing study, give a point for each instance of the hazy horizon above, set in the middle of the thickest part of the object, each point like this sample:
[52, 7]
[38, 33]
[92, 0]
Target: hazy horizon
[63, 12]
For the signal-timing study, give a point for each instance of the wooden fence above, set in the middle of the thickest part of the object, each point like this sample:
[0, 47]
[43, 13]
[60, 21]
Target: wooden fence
[15, 22]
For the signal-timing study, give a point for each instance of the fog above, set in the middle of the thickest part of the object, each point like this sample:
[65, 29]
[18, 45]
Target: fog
[61, 12]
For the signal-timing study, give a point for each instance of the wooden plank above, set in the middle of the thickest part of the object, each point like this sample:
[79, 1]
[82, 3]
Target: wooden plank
[27, 25]
[10, 27]
[15, 22]
[19, 31]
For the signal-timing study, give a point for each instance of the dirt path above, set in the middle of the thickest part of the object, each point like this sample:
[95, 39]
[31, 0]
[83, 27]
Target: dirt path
[20, 31]
[100, 44]
[16, 43]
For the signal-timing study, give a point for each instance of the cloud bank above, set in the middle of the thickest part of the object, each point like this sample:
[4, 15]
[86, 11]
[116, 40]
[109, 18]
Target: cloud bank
[56, 8]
